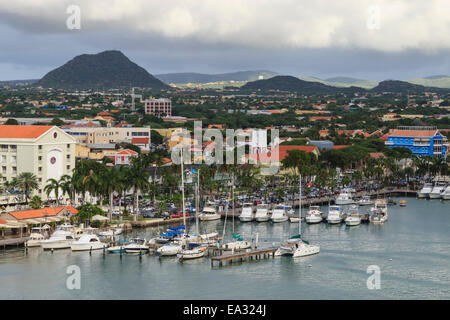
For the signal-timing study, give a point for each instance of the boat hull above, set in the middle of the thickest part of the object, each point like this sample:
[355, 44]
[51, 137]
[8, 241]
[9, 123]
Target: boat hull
[312, 219]
[245, 218]
[344, 201]
[279, 219]
[60, 244]
[334, 220]
[422, 195]
[435, 195]
[87, 246]
[209, 217]
[352, 222]
[262, 218]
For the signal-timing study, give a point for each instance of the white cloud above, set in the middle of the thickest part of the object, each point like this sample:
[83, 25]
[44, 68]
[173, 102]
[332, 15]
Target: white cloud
[404, 24]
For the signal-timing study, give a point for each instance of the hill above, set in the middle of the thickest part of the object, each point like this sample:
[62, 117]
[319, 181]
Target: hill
[293, 84]
[108, 69]
[189, 77]
[396, 86]
[348, 82]
[439, 81]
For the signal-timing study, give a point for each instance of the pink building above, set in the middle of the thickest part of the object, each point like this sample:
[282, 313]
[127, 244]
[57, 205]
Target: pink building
[158, 107]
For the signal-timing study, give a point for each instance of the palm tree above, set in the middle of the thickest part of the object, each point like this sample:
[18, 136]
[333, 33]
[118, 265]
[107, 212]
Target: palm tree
[67, 187]
[53, 185]
[109, 183]
[26, 182]
[139, 179]
[36, 202]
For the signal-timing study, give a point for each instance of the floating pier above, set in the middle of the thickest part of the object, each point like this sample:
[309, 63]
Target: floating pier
[251, 255]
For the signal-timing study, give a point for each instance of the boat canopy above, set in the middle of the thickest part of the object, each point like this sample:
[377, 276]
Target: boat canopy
[182, 227]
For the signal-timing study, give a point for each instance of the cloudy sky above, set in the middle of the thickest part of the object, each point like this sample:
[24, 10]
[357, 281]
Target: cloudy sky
[371, 39]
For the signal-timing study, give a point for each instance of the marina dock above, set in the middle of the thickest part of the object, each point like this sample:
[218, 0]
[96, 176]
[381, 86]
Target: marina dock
[250, 255]
[13, 241]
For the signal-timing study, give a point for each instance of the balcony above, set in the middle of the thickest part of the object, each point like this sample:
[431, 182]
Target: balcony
[421, 144]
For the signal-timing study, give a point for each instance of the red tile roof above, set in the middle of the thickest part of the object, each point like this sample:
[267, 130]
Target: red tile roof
[341, 146]
[282, 152]
[127, 152]
[22, 132]
[412, 133]
[3, 221]
[377, 155]
[139, 140]
[41, 213]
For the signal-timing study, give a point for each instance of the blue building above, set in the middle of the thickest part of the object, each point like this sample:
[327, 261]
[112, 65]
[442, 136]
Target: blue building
[422, 141]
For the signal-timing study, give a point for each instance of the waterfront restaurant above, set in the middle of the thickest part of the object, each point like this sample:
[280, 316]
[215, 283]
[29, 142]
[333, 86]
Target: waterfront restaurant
[422, 141]
[37, 216]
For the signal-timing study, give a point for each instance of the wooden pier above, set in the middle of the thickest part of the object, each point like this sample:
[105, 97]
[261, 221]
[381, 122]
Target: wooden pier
[250, 255]
[16, 241]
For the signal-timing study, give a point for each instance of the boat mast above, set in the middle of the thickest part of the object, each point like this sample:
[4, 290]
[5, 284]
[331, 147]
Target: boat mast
[232, 199]
[182, 190]
[300, 207]
[197, 206]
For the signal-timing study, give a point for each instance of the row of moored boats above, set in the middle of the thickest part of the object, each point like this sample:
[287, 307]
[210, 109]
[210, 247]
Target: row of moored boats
[440, 190]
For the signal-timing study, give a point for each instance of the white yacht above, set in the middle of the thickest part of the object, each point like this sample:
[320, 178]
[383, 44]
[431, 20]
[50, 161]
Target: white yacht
[296, 247]
[314, 215]
[169, 249]
[209, 212]
[87, 241]
[62, 238]
[345, 197]
[334, 215]
[111, 232]
[279, 214]
[262, 213]
[194, 251]
[379, 212]
[435, 193]
[445, 195]
[353, 219]
[425, 191]
[37, 235]
[137, 245]
[365, 201]
[247, 212]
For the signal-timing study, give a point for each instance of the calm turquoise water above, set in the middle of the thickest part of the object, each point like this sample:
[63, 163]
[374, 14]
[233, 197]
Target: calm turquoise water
[416, 238]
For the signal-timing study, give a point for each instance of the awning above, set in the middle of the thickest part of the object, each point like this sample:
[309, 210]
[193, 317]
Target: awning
[98, 217]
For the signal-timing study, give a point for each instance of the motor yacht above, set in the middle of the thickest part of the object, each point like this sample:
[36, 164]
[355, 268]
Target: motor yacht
[262, 213]
[279, 214]
[314, 215]
[365, 201]
[425, 191]
[345, 197]
[334, 215]
[137, 245]
[169, 249]
[37, 235]
[62, 238]
[445, 195]
[111, 232]
[379, 212]
[88, 241]
[247, 213]
[435, 193]
[354, 218]
[209, 212]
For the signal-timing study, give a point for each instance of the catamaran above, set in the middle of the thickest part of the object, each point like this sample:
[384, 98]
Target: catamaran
[247, 212]
[425, 191]
[334, 214]
[262, 213]
[314, 215]
[296, 246]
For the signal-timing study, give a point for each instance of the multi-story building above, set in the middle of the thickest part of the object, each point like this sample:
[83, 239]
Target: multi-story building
[158, 107]
[46, 151]
[422, 141]
[107, 135]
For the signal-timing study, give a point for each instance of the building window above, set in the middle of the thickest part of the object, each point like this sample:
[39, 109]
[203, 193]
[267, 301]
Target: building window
[13, 148]
[4, 169]
[68, 167]
[68, 156]
[4, 148]
[40, 169]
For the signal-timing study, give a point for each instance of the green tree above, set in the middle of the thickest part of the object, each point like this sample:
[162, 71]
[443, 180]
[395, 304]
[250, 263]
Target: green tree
[36, 202]
[26, 182]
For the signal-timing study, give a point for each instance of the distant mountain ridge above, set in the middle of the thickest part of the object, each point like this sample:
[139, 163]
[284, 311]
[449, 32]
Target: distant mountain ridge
[192, 77]
[294, 84]
[108, 69]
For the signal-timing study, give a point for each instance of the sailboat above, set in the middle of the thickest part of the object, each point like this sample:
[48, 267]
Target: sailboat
[238, 243]
[296, 246]
[194, 250]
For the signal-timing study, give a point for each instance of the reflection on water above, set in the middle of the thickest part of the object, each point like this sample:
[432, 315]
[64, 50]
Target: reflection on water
[412, 250]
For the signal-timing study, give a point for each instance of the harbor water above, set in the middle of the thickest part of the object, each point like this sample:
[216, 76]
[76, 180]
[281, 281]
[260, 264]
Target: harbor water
[412, 251]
